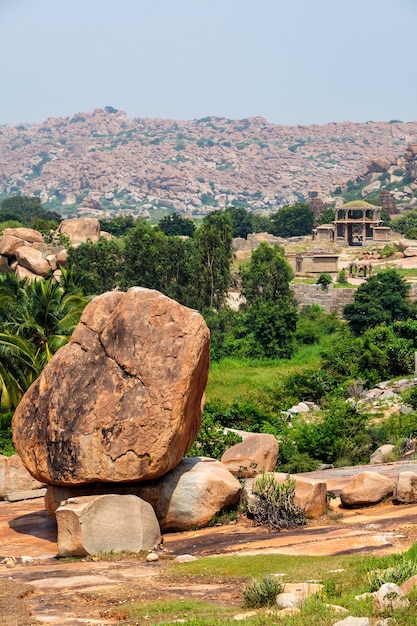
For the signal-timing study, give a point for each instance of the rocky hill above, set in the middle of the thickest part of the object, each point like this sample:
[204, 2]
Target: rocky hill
[103, 161]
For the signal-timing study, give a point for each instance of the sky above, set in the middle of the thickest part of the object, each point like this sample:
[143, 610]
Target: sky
[289, 61]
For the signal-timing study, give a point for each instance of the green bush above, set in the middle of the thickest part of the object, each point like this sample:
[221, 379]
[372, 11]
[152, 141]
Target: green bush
[273, 503]
[261, 593]
[342, 278]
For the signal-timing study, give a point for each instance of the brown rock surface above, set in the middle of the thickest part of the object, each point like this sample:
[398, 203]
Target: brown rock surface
[255, 454]
[14, 476]
[406, 488]
[365, 489]
[32, 260]
[27, 234]
[79, 230]
[122, 400]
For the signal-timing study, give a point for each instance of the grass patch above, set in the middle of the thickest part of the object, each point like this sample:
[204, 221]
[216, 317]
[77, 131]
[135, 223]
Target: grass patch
[230, 378]
[342, 577]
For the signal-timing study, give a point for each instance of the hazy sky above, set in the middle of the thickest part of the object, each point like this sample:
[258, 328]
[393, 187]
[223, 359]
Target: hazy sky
[290, 61]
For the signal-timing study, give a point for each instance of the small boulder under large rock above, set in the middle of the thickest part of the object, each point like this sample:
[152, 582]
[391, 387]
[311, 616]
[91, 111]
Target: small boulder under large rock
[186, 497]
[96, 524]
[122, 400]
[32, 260]
[255, 454]
[365, 489]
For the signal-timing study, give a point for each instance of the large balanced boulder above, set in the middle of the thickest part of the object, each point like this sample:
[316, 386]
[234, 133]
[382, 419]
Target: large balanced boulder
[122, 400]
[186, 497]
[255, 454]
[365, 489]
[108, 523]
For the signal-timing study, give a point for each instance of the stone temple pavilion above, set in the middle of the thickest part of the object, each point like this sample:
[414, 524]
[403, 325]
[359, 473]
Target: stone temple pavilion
[355, 223]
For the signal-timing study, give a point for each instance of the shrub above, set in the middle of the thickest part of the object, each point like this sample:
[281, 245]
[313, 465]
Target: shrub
[342, 278]
[324, 280]
[273, 503]
[261, 593]
[396, 574]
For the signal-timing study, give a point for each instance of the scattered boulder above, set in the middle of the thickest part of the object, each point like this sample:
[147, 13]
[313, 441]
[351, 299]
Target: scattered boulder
[81, 229]
[409, 584]
[25, 234]
[14, 476]
[389, 596]
[32, 260]
[296, 593]
[187, 497]
[255, 454]
[381, 453]
[139, 364]
[365, 489]
[95, 524]
[406, 488]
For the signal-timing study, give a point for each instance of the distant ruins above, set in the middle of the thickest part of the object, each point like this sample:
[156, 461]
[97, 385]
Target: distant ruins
[355, 224]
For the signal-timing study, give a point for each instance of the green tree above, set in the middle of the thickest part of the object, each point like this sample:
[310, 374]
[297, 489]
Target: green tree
[174, 224]
[36, 319]
[266, 275]
[103, 261]
[297, 219]
[118, 226]
[213, 255]
[326, 216]
[242, 222]
[270, 313]
[383, 298]
[405, 223]
[26, 209]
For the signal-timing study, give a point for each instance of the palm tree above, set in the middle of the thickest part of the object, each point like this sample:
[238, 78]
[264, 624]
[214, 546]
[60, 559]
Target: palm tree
[36, 319]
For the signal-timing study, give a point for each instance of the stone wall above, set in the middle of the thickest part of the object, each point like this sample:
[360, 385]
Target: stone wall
[331, 300]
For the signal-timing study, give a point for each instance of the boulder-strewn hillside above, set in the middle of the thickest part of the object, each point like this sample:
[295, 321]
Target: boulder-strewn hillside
[110, 161]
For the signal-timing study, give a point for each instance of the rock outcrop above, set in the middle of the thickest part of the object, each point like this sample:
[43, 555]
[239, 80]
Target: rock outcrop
[94, 524]
[80, 230]
[122, 400]
[255, 454]
[105, 159]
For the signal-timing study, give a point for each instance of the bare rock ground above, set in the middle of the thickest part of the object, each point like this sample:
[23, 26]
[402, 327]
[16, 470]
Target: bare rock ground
[68, 593]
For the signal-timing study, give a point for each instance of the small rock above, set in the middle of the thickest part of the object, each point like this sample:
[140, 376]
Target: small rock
[336, 608]
[286, 600]
[185, 558]
[152, 557]
[390, 596]
[242, 616]
[353, 621]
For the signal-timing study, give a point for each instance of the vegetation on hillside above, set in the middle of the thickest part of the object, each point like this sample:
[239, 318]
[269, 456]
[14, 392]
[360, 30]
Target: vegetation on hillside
[283, 355]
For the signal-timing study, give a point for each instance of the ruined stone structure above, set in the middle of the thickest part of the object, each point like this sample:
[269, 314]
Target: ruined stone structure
[331, 300]
[310, 263]
[355, 223]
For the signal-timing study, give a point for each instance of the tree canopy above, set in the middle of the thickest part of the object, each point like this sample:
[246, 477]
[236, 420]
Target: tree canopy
[382, 299]
[174, 224]
[26, 209]
[290, 221]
